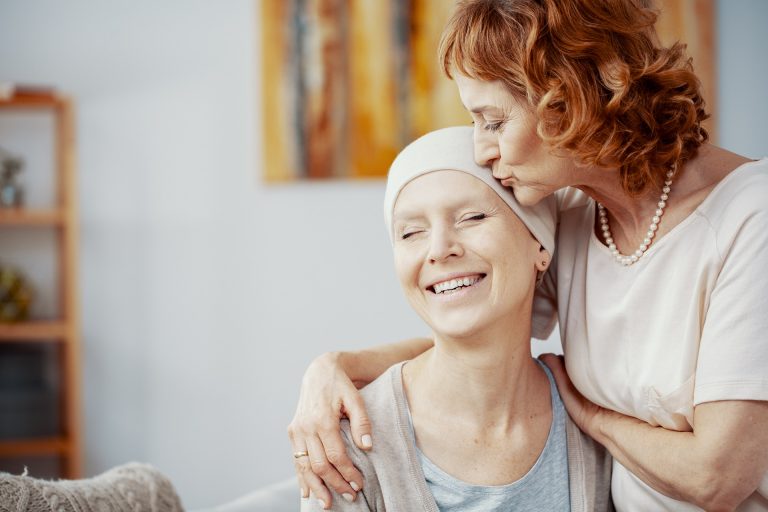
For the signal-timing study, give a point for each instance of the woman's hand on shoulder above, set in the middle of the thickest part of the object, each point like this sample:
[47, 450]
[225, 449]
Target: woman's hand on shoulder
[585, 414]
[327, 395]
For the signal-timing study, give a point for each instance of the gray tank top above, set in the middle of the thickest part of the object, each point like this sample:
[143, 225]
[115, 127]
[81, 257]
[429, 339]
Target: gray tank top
[544, 487]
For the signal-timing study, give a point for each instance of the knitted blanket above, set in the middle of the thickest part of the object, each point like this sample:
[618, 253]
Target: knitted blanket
[132, 487]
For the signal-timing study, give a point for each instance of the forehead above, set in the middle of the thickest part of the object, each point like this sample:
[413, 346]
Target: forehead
[443, 190]
[479, 96]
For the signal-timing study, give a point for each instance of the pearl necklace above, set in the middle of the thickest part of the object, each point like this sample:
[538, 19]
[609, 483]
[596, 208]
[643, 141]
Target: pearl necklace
[628, 260]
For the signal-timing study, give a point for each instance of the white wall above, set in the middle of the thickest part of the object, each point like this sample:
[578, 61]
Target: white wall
[743, 74]
[204, 292]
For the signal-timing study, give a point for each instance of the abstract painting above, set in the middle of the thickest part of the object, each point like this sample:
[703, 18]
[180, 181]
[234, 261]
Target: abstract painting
[348, 83]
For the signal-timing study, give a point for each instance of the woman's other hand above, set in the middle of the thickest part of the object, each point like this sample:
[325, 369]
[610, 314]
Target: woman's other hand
[327, 395]
[584, 413]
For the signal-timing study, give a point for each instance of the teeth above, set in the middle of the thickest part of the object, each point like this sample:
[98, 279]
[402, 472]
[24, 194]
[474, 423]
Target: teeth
[455, 283]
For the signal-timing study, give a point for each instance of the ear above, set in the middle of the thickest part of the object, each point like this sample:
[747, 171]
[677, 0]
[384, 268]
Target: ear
[543, 259]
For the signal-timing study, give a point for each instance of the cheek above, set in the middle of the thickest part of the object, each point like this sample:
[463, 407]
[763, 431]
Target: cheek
[407, 268]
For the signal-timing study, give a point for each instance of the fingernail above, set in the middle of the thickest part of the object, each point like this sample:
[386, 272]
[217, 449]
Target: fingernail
[305, 493]
[367, 441]
[354, 486]
[348, 497]
[322, 504]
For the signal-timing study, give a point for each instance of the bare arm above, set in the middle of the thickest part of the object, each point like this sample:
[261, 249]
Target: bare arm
[716, 467]
[328, 393]
[364, 366]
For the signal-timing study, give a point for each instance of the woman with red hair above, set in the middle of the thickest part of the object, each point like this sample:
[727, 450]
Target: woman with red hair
[659, 279]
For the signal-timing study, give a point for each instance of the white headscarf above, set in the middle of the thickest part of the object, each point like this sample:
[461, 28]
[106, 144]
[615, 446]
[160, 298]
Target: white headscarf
[452, 149]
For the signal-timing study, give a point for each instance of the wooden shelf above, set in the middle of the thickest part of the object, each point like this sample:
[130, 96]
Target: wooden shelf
[27, 217]
[37, 100]
[33, 331]
[42, 446]
[66, 329]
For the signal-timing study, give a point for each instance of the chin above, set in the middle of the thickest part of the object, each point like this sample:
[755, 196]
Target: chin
[528, 196]
[456, 328]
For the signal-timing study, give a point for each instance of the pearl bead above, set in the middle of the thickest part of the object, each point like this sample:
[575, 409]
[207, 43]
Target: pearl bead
[627, 260]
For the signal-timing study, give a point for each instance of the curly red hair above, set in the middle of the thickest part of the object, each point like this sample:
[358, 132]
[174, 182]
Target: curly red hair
[603, 87]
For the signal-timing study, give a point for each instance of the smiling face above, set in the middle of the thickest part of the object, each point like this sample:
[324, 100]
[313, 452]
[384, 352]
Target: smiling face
[506, 140]
[464, 260]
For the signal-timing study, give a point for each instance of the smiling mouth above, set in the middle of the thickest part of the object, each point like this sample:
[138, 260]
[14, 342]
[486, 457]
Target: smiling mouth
[454, 285]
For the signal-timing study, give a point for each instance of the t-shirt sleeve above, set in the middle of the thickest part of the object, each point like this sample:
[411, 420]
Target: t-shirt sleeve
[733, 354]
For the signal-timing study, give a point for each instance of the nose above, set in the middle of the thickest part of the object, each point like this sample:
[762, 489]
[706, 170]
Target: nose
[444, 244]
[486, 146]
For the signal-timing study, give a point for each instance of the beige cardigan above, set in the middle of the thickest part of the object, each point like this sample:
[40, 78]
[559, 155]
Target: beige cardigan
[395, 482]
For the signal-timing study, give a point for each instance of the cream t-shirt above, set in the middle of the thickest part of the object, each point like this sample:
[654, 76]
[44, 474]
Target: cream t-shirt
[686, 324]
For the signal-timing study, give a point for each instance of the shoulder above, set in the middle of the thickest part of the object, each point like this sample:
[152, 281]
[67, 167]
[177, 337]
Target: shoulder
[382, 465]
[736, 208]
[381, 400]
[743, 189]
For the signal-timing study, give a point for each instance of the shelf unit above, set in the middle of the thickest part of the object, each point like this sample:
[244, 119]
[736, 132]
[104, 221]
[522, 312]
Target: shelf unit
[63, 331]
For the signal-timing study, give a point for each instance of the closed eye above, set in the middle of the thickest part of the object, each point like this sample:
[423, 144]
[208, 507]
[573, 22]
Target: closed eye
[493, 127]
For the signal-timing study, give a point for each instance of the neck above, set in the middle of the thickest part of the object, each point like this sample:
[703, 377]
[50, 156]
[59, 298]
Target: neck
[629, 214]
[487, 380]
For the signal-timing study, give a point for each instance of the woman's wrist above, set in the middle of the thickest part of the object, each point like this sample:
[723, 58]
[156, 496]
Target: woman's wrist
[608, 425]
[348, 363]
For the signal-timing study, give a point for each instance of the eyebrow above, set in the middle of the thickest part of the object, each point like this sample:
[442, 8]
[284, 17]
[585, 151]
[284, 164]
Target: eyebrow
[484, 108]
[418, 213]
[405, 216]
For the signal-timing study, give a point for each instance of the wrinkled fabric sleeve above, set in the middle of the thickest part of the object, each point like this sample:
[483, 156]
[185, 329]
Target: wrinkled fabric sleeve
[733, 353]
[545, 305]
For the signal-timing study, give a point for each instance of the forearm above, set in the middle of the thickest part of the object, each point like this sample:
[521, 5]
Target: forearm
[364, 366]
[662, 458]
[688, 466]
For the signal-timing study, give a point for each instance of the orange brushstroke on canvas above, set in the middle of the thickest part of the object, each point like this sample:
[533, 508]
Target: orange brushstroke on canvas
[277, 143]
[373, 105]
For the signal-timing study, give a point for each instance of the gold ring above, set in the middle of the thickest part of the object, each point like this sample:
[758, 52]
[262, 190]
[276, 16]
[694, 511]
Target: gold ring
[298, 455]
